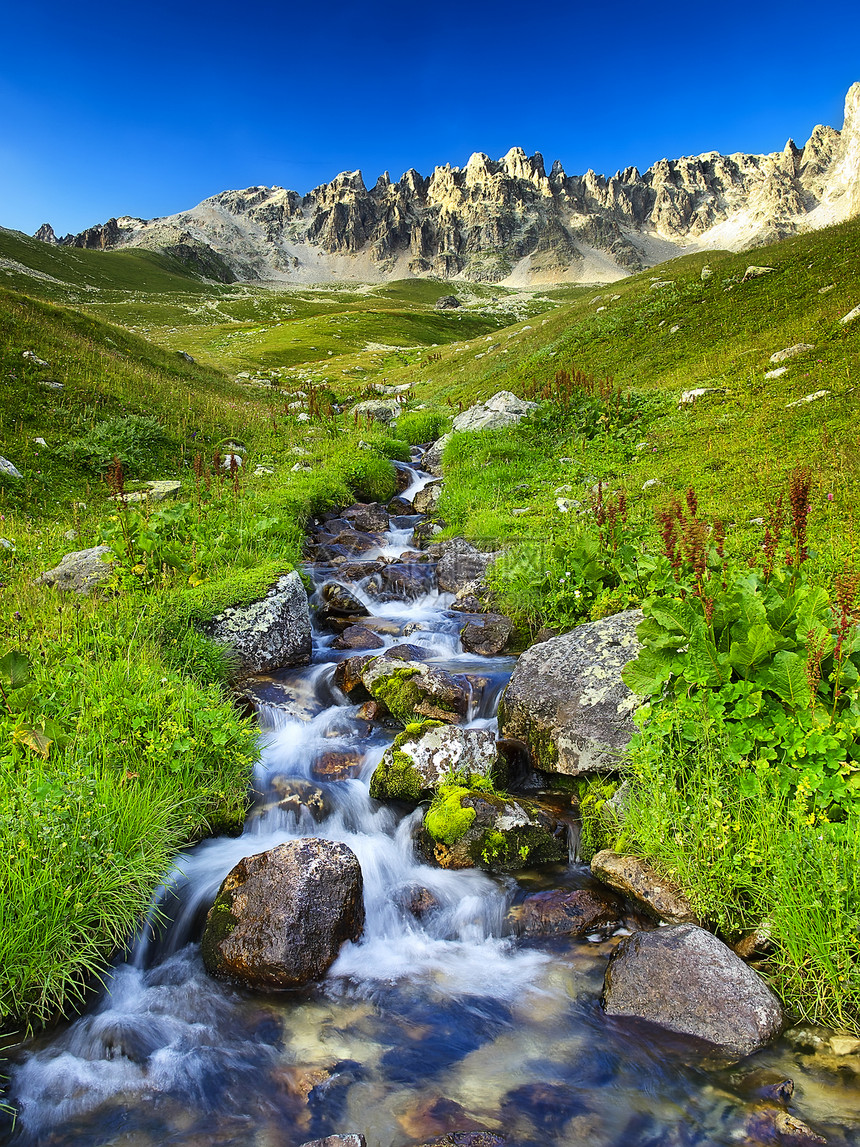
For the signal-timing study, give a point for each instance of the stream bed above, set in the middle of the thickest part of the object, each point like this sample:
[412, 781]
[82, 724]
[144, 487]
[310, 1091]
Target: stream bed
[434, 1023]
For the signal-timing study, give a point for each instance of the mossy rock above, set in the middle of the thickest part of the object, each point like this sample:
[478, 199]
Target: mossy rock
[428, 752]
[414, 692]
[468, 827]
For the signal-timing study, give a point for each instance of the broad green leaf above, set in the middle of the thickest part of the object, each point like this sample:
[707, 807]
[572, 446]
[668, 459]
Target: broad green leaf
[16, 669]
[647, 674]
[750, 605]
[745, 655]
[787, 679]
[679, 616]
[707, 666]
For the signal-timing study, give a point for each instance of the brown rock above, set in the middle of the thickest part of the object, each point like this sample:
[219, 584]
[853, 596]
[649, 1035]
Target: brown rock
[358, 637]
[280, 917]
[347, 677]
[772, 1126]
[341, 766]
[565, 913]
[636, 879]
[371, 517]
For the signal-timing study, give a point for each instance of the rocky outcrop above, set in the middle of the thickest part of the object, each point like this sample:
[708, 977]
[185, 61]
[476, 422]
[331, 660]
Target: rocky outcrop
[280, 917]
[685, 979]
[423, 755]
[503, 409]
[567, 701]
[81, 571]
[269, 633]
[507, 219]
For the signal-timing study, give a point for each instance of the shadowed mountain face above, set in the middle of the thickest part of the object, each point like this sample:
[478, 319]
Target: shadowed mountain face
[508, 220]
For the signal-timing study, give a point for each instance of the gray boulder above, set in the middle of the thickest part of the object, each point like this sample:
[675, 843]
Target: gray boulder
[426, 500]
[791, 352]
[280, 917]
[503, 409]
[8, 470]
[567, 701]
[461, 564]
[685, 979]
[378, 409]
[487, 634]
[420, 758]
[432, 459]
[80, 572]
[447, 303]
[269, 633]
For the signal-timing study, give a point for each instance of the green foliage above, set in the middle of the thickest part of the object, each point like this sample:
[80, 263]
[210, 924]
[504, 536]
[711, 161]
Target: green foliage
[752, 856]
[595, 833]
[137, 440]
[420, 426]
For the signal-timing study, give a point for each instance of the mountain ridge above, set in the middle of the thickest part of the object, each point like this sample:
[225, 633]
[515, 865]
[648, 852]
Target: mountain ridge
[507, 220]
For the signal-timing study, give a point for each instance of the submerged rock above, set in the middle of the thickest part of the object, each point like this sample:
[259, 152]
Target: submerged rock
[280, 917]
[424, 754]
[272, 632]
[567, 701]
[80, 572]
[686, 980]
[563, 912]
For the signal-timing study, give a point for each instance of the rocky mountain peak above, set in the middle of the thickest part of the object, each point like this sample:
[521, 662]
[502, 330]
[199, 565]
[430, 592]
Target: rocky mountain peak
[506, 220]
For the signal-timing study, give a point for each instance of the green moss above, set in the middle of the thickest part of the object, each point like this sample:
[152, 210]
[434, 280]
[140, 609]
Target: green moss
[595, 834]
[400, 693]
[446, 819]
[219, 924]
[520, 847]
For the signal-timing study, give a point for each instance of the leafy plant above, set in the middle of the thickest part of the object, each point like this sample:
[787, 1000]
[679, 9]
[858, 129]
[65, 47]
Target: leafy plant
[139, 441]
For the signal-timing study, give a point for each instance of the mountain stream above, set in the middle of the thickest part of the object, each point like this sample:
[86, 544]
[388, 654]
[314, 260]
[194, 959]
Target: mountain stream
[429, 1025]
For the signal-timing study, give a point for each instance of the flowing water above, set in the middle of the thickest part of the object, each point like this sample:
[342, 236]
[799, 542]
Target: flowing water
[426, 1026]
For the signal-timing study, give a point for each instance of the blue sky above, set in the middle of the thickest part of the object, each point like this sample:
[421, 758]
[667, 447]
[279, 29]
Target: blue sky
[109, 109]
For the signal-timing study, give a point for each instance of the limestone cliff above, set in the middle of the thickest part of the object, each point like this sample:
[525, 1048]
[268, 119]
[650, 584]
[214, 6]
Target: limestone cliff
[507, 220]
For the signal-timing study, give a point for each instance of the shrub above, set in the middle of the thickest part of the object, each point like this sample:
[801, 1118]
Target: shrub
[420, 426]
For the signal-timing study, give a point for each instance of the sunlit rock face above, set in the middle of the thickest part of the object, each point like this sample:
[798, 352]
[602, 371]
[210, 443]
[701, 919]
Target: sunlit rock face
[506, 220]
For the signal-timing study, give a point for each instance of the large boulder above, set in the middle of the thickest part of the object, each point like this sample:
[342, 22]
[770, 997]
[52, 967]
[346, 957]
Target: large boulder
[432, 458]
[503, 409]
[466, 827]
[461, 564]
[637, 880]
[685, 979]
[80, 572]
[423, 755]
[268, 633]
[414, 691]
[280, 917]
[567, 701]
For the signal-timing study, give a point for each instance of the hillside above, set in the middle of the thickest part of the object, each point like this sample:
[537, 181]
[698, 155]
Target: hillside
[132, 702]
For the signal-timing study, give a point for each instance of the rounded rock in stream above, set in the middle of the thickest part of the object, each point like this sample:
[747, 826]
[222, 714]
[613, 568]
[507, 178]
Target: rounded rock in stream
[685, 979]
[424, 754]
[280, 917]
[487, 634]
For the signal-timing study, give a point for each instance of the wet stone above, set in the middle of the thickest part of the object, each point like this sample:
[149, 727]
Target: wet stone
[578, 912]
[338, 766]
[358, 571]
[296, 795]
[339, 601]
[371, 517]
[358, 637]
[354, 542]
[488, 635]
[399, 505]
